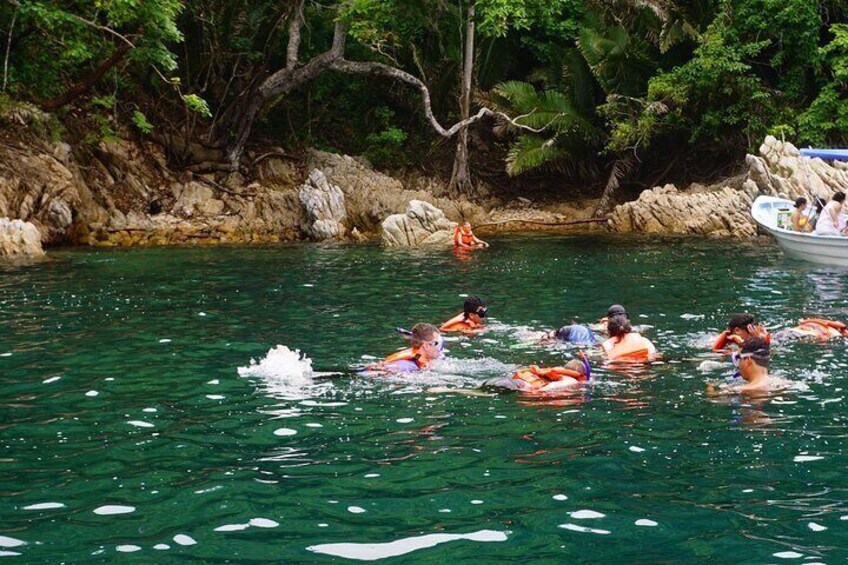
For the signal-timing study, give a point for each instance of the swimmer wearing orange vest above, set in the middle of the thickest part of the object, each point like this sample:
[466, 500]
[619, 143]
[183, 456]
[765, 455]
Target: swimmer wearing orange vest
[547, 379]
[739, 328]
[815, 328]
[624, 344]
[463, 237]
[471, 319]
[743, 326]
[427, 345]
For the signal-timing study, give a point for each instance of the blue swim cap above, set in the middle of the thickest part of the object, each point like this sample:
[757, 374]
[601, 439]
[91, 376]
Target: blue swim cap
[575, 333]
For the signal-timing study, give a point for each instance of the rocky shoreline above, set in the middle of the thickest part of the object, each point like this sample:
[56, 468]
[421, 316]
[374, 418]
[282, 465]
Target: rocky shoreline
[121, 193]
[723, 210]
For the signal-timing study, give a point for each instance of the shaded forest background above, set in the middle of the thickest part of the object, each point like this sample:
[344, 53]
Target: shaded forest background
[542, 97]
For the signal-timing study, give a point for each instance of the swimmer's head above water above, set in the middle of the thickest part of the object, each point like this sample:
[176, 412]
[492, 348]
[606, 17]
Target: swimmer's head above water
[475, 309]
[616, 310]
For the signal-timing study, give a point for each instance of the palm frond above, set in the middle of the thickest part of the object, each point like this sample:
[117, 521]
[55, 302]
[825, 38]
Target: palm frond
[530, 152]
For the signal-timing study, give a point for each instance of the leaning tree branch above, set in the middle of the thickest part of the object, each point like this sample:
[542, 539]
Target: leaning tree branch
[372, 68]
[9, 49]
[295, 25]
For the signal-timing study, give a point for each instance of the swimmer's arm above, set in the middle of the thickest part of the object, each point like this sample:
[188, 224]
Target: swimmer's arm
[402, 366]
[714, 391]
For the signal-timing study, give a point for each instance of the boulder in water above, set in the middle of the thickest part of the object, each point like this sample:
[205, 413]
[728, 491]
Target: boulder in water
[422, 224]
[19, 238]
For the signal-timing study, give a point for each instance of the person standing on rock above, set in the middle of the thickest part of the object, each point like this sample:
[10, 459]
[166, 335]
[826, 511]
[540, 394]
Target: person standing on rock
[463, 237]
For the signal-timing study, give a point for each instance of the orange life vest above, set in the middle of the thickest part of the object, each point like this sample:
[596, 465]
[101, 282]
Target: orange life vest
[462, 236]
[537, 377]
[408, 354]
[824, 329]
[459, 324]
[629, 347]
[726, 338]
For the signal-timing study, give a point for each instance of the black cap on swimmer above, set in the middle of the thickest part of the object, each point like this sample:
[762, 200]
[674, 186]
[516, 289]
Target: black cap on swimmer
[473, 305]
[616, 310]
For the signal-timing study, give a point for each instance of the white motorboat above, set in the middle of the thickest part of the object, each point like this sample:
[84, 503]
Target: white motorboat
[772, 214]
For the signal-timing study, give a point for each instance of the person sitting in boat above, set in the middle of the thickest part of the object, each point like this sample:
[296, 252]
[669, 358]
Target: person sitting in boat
[752, 362]
[578, 334]
[427, 345]
[463, 237]
[800, 221]
[547, 379]
[739, 328]
[471, 318]
[832, 221]
[624, 344]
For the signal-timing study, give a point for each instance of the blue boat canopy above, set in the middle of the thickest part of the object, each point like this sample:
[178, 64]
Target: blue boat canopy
[837, 154]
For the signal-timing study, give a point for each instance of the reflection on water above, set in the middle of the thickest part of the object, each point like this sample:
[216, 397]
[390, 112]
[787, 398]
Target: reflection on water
[374, 551]
[183, 404]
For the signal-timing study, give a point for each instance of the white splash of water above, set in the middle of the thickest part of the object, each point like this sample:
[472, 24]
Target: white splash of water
[285, 374]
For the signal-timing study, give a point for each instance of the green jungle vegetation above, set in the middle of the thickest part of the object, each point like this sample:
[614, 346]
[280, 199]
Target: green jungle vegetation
[576, 96]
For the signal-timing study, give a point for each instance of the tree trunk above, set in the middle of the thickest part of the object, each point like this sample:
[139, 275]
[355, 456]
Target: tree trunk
[460, 182]
[620, 168]
[243, 126]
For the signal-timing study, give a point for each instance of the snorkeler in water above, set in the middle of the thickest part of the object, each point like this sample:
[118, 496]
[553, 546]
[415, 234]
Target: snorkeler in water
[814, 328]
[744, 326]
[752, 362]
[625, 344]
[546, 379]
[571, 333]
[739, 328]
[470, 320]
[427, 345]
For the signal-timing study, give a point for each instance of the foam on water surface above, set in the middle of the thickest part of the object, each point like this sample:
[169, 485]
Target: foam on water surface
[583, 529]
[285, 374]
[6, 541]
[376, 551]
[44, 506]
[586, 515]
[113, 509]
[128, 548]
[140, 424]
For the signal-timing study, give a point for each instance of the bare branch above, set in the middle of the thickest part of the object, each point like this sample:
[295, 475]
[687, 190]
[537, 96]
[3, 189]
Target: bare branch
[294, 35]
[106, 29]
[8, 50]
[380, 69]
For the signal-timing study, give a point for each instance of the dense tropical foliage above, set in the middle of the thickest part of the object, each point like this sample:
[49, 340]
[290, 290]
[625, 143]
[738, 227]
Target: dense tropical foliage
[593, 91]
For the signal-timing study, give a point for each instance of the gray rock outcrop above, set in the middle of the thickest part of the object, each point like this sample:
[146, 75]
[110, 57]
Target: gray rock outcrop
[422, 224]
[325, 207]
[19, 238]
[781, 171]
[724, 210]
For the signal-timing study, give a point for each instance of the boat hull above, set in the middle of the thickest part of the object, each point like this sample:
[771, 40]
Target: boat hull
[820, 249]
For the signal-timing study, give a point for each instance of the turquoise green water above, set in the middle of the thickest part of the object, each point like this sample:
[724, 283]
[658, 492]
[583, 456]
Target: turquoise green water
[120, 388]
